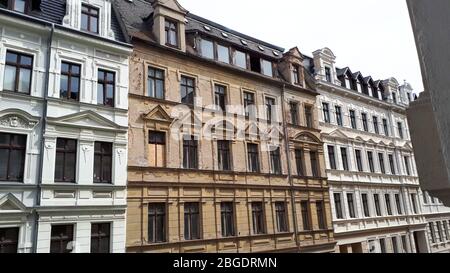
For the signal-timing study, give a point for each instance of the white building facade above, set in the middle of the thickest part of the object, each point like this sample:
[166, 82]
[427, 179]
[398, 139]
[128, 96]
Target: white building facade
[70, 191]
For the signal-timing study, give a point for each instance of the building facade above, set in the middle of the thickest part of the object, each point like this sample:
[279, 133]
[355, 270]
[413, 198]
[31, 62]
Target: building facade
[208, 164]
[64, 127]
[438, 219]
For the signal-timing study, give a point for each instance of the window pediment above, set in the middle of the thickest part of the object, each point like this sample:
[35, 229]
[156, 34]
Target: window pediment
[10, 203]
[87, 119]
[17, 119]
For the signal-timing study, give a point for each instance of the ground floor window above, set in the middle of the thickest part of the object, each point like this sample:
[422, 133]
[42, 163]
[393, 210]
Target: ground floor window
[9, 240]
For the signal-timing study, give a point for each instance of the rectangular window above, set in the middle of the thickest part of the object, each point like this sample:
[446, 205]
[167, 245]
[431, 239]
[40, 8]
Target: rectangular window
[227, 219]
[383, 245]
[100, 238]
[223, 148]
[171, 30]
[407, 167]
[275, 160]
[220, 97]
[392, 164]
[400, 129]
[364, 122]
[106, 88]
[328, 74]
[387, 198]
[359, 160]
[18, 71]
[326, 112]
[365, 202]
[70, 81]
[314, 164]
[157, 223]
[385, 127]
[61, 240]
[339, 115]
[293, 106]
[394, 97]
[376, 200]
[351, 205]
[308, 116]
[446, 231]
[253, 158]
[399, 204]
[103, 162]
[250, 105]
[299, 162]
[432, 232]
[344, 159]
[353, 119]
[155, 83]
[192, 221]
[190, 153]
[9, 240]
[441, 235]
[296, 74]
[321, 215]
[332, 157]
[207, 49]
[15, 5]
[394, 244]
[223, 54]
[281, 216]
[305, 215]
[414, 203]
[12, 157]
[270, 110]
[404, 244]
[338, 205]
[258, 218]
[267, 68]
[381, 161]
[375, 125]
[157, 149]
[89, 18]
[187, 90]
[371, 164]
[240, 59]
[425, 197]
[66, 160]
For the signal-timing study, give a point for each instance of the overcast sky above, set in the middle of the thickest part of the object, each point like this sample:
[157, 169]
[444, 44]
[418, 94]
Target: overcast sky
[371, 36]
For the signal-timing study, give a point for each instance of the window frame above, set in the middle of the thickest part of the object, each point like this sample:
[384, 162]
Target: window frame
[249, 104]
[224, 155]
[105, 82]
[275, 161]
[353, 122]
[9, 244]
[171, 27]
[12, 147]
[157, 211]
[190, 159]
[258, 218]
[351, 206]
[70, 77]
[253, 157]
[338, 205]
[326, 112]
[90, 15]
[365, 203]
[103, 156]
[65, 151]
[18, 66]
[228, 229]
[189, 97]
[293, 110]
[220, 97]
[155, 79]
[67, 239]
[338, 112]
[158, 143]
[306, 215]
[192, 209]
[99, 236]
[281, 217]
[321, 217]
[344, 157]
[332, 157]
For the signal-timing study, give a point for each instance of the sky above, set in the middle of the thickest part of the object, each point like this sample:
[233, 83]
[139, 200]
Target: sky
[371, 36]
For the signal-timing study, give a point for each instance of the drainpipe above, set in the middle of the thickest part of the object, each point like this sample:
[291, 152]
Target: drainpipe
[43, 128]
[291, 181]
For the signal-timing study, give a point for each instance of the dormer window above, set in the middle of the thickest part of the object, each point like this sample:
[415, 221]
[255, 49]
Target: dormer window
[207, 49]
[296, 75]
[15, 5]
[348, 83]
[89, 18]
[267, 68]
[171, 29]
[394, 97]
[328, 74]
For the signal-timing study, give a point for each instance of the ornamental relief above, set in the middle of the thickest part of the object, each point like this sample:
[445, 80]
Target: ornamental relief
[17, 122]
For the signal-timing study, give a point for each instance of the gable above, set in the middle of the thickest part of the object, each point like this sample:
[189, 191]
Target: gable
[338, 134]
[16, 118]
[307, 137]
[170, 4]
[87, 119]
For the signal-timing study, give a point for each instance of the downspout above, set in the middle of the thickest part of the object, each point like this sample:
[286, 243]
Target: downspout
[291, 181]
[43, 128]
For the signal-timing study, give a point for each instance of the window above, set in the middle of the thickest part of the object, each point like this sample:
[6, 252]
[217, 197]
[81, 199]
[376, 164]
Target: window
[385, 127]
[18, 70]
[240, 59]
[187, 90]
[381, 161]
[223, 147]
[191, 221]
[392, 164]
[338, 206]
[364, 121]
[100, 238]
[12, 156]
[404, 244]
[332, 157]
[9, 240]
[375, 125]
[351, 205]
[344, 159]
[425, 197]
[399, 204]
[414, 203]
[70, 81]
[103, 162]
[105, 88]
[250, 105]
[370, 159]
[394, 97]
[359, 160]
[270, 110]
[441, 236]
[400, 129]
[376, 199]
[314, 164]
[353, 119]
[275, 160]
[328, 74]
[223, 54]
[258, 218]
[446, 231]
[432, 232]
[190, 153]
[308, 116]
[383, 245]
[155, 83]
[227, 216]
[387, 198]
[15, 5]
[408, 95]
[253, 158]
[299, 162]
[220, 97]
[326, 112]
[89, 18]
[407, 167]
[296, 74]
[66, 160]
[267, 68]
[321, 215]
[339, 115]
[294, 112]
[157, 223]
[171, 29]
[394, 244]
[305, 215]
[365, 202]
[281, 216]
[157, 149]
[255, 63]
[207, 48]
[61, 239]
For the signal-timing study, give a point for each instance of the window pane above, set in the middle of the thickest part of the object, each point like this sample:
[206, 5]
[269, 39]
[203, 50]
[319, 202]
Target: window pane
[151, 88]
[267, 68]
[4, 155]
[84, 21]
[26, 60]
[207, 49]
[70, 167]
[10, 78]
[25, 80]
[109, 95]
[100, 98]
[94, 25]
[107, 165]
[11, 57]
[74, 88]
[240, 59]
[19, 5]
[223, 54]
[159, 89]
